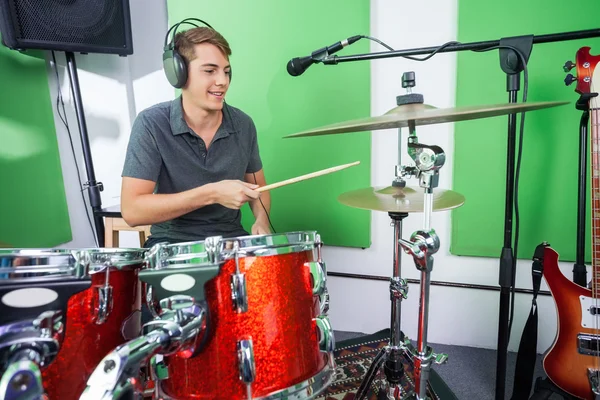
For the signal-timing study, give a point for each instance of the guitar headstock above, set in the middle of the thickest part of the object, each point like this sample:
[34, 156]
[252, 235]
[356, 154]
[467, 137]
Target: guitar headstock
[586, 72]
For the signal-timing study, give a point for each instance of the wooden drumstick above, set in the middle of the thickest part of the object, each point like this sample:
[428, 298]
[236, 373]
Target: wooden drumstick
[305, 177]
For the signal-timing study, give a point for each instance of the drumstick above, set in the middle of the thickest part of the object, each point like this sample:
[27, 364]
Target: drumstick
[305, 177]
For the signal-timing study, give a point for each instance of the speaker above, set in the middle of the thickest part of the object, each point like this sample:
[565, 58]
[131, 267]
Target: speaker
[84, 26]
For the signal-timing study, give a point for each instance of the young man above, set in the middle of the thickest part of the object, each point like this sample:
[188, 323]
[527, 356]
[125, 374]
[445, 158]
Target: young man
[192, 162]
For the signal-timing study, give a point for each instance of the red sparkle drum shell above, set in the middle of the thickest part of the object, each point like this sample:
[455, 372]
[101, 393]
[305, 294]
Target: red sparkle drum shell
[280, 321]
[86, 341]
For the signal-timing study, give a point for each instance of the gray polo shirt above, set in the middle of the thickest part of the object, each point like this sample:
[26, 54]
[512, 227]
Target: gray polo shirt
[164, 149]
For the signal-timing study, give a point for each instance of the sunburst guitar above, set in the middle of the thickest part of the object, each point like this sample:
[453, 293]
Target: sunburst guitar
[573, 361]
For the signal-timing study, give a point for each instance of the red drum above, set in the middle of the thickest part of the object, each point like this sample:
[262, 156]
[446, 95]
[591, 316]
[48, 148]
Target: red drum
[98, 319]
[268, 334]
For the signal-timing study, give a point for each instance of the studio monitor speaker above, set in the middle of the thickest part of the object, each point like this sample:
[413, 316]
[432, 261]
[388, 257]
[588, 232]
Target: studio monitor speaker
[85, 26]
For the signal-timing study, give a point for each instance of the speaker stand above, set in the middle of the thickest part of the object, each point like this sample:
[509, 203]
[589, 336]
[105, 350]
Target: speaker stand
[94, 187]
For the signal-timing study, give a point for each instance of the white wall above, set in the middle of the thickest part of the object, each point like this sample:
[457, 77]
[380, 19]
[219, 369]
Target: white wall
[457, 316]
[115, 89]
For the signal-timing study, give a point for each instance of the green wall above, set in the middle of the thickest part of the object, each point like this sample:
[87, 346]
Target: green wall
[549, 172]
[33, 208]
[264, 36]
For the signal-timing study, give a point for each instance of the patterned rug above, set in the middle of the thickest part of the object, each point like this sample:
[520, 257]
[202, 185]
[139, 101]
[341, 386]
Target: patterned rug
[354, 357]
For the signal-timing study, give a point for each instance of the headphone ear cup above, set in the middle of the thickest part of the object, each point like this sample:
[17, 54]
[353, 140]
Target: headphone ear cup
[175, 68]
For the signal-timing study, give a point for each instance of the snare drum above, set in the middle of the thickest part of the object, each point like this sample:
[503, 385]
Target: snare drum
[268, 335]
[98, 318]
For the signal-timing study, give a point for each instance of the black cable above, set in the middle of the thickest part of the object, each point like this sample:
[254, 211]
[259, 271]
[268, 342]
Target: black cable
[264, 208]
[437, 50]
[63, 118]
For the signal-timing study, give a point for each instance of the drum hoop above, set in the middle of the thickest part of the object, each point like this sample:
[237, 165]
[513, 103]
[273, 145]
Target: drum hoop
[58, 264]
[195, 254]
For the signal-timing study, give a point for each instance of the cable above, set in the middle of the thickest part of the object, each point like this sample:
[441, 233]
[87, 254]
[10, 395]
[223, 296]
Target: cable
[63, 118]
[437, 50]
[377, 40]
[264, 208]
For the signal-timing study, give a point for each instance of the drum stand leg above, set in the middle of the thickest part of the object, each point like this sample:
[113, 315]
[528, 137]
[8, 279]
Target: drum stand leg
[390, 356]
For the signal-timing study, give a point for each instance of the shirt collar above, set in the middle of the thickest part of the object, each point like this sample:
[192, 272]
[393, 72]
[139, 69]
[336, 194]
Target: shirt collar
[179, 126]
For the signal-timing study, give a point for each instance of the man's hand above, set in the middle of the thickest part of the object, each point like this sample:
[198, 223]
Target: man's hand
[234, 194]
[261, 227]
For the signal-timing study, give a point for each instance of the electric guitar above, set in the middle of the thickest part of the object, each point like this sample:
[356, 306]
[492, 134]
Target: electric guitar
[573, 361]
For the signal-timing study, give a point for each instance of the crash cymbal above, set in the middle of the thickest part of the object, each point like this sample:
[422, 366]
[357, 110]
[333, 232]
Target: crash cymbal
[423, 114]
[396, 199]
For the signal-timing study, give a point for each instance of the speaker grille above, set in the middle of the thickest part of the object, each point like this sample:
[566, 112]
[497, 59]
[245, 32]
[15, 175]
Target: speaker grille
[72, 25]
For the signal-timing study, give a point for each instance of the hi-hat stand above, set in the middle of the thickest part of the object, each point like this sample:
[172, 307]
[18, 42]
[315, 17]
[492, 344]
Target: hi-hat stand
[511, 63]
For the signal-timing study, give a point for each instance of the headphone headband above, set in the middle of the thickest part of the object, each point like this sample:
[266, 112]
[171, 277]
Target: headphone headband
[171, 44]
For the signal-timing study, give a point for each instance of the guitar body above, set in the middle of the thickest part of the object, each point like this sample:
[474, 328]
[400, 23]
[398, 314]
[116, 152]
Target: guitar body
[564, 365]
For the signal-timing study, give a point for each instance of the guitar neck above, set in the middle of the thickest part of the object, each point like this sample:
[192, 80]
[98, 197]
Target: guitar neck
[595, 173]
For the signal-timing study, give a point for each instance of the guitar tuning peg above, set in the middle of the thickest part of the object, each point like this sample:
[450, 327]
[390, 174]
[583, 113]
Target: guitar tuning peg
[569, 65]
[569, 79]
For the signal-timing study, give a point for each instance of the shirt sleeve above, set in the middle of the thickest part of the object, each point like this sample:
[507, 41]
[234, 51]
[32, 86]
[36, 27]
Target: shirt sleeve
[143, 159]
[254, 161]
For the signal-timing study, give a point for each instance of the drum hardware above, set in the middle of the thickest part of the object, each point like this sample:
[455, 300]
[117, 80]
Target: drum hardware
[239, 294]
[184, 320]
[103, 300]
[195, 264]
[34, 282]
[421, 246]
[247, 367]
[281, 288]
[25, 348]
[318, 276]
[326, 337]
[398, 200]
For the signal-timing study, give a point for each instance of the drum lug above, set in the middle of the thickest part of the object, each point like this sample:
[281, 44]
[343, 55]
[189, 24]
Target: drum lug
[239, 294]
[324, 302]
[246, 364]
[103, 304]
[326, 338]
[212, 247]
[318, 272]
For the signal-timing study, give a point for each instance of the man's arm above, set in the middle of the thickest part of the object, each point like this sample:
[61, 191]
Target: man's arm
[261, 226]
[140, 206]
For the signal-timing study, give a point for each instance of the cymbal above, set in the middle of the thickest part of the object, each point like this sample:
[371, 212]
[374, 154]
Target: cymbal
[396, 199]
[423, 114]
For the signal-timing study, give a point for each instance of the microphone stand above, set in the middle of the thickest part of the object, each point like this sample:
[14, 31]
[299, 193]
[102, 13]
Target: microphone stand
[579, 269]
[512, 66]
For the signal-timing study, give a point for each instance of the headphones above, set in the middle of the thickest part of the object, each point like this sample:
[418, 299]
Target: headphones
[174, 64]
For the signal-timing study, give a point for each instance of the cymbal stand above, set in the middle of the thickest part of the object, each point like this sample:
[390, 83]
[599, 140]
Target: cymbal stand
[421, 246]
[390, 356]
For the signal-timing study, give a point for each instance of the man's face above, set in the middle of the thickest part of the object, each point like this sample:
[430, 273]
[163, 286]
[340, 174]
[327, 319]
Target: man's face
[208, 78]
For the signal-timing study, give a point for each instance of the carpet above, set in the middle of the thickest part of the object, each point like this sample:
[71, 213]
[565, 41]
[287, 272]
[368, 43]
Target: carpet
[354, 357]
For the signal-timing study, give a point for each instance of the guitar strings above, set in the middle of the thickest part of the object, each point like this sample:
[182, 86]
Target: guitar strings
[595, 154]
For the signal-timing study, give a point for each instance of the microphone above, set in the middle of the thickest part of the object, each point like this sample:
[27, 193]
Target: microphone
[297, 66]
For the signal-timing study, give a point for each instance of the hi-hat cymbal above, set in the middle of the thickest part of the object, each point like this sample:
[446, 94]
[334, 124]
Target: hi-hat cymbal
[396, 199]
[423, 114]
